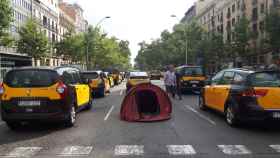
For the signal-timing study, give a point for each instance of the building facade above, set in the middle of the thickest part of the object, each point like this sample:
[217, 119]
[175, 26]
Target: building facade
[189, 15]
[222, 15]
[75, 12]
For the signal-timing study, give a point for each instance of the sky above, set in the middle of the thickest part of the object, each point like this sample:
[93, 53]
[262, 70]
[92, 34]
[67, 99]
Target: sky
[134, 20]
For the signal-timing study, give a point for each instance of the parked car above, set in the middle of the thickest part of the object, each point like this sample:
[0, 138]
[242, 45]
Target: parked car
[193, 78]
[243, 95]
[43, 94]
[98, 82]
[135, 78]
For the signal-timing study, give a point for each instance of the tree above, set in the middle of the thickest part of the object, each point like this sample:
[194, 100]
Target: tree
[5, 19]
[32, 41]
[71, 47]
[272, 27]
[241, 37]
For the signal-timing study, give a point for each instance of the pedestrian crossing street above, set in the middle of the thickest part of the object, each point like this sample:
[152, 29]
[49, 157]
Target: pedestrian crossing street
[131, 150]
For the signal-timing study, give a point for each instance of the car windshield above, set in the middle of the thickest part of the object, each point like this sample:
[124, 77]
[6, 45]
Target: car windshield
[193, 71]
[93, 75]
[265, 79]
[31, 78]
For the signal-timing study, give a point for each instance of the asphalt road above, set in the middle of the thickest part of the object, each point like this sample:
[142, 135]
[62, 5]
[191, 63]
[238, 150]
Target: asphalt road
[99, 133]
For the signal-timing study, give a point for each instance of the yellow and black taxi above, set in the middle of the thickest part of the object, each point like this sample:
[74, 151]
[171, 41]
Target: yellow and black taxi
[98, 82]
[110, 78]
[43, 94]
[116, 77]
[243, 95]
[135, 78]
[192, 77]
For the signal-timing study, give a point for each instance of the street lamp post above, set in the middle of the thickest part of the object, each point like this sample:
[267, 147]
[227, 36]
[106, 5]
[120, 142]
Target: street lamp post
[87, 40]
[186, 42]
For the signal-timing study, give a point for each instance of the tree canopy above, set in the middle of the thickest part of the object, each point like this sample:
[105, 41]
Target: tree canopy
[32, 41]
[5, 19]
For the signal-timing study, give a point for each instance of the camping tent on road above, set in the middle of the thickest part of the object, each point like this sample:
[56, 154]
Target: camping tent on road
[146, 102]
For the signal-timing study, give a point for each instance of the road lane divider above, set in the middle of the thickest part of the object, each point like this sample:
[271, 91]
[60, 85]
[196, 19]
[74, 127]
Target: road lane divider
[109, 113]
[76, 151]
[234, 149]
[121, 92]
[178, 150]
[23, 152]
[129, 150]
[201, 115]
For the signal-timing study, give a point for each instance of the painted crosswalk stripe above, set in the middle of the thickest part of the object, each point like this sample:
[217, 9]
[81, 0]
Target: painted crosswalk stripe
[76, 151]
[275, 147]
[181, 150]
[234, 149]
[23, 152]
[125, 150]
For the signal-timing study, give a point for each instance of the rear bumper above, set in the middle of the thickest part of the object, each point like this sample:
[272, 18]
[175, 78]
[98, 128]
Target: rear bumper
[54, 112]
[259, 115]
[192, 85]
[40, 117]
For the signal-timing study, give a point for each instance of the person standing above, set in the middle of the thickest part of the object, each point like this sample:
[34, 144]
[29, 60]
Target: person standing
[178, 85]
[170, 81]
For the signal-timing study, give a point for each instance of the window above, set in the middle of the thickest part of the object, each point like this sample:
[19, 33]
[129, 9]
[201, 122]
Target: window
[238, 79]
[265, 79]
[31, 78]
[261, 26]
[233, 21]
[255, 14]
[262, 8]
[233, 8]
[68, 78]
[227, 78]
[217, 78]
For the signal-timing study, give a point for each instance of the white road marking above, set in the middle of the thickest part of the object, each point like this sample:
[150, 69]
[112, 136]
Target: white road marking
[180, 150]
[201, 115]
[121, 92]
[76, 151]
[109, 112]
[125, 150]
[23, 152]
[275, 147]
[234, 149]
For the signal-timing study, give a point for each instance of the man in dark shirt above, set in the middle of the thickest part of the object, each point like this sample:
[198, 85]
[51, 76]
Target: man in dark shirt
[178, 85]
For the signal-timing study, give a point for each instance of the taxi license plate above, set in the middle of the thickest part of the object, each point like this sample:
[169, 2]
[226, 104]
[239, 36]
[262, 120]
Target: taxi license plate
[194, 81]
[194, 85]
[276, 115]
[29, 103]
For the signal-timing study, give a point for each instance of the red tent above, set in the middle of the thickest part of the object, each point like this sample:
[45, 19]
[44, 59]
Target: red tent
[146, 102]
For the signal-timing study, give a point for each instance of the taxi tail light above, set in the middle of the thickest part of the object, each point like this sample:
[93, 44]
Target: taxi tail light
[254, 93]
[62, 90]
[2, 89]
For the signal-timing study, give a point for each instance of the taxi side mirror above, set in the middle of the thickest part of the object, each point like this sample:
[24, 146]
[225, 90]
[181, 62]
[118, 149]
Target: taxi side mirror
[207, 82]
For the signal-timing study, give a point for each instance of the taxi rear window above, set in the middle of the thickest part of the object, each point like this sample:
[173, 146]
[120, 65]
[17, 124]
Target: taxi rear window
[265, 79]
[193, 71]
[31, 78]
[90, 75]
[139, 77]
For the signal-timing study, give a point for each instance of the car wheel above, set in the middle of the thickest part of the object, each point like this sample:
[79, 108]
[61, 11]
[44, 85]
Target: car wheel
[231, 116]
[201, 103]
[89, 105]
[71, 117]
[13, 125]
